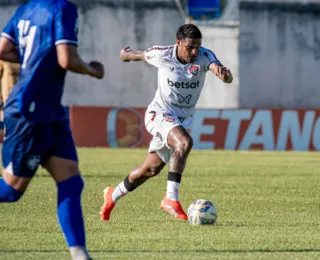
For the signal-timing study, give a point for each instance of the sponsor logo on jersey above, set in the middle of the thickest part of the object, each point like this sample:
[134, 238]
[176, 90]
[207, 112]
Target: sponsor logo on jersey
[183, 99]
[183, 84]
[182, 106]
[33, 162]
[181, 119]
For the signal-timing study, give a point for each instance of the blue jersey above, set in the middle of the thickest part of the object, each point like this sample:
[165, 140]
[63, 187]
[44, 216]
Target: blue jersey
[36, 28]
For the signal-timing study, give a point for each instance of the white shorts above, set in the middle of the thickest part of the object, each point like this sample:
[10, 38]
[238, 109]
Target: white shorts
[159, 123]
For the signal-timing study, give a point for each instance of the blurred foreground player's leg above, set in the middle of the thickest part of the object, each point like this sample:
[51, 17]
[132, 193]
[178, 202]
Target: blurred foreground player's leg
[37, 127]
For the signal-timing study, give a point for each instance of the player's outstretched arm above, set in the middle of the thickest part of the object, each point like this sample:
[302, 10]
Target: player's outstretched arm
[69, 59]
[221, 72]
[8, 51]
[126, 55]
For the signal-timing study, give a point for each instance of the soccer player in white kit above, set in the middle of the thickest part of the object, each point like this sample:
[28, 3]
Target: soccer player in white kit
[181, 73]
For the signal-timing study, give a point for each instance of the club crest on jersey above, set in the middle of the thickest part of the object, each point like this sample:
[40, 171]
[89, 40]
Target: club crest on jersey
[194, 70]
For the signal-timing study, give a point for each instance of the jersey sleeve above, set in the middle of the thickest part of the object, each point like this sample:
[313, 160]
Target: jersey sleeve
[153, 55]
[209, 57]
[9, 31]
[66, 25]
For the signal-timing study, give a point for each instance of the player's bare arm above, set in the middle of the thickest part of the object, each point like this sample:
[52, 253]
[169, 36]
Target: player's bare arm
[221, 72]
[69, 59]
[8, 51]
[127, 55]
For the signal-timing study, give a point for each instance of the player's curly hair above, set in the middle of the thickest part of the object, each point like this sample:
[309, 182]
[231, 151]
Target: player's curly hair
[188, 31]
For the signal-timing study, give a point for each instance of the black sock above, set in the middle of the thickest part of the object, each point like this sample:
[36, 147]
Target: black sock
[174, 176]
[128, 185]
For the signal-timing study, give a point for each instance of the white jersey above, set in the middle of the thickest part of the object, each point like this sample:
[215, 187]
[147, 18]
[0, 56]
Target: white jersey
[179, 85]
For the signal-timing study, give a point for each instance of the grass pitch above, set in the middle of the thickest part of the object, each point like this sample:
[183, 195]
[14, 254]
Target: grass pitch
[268, 208]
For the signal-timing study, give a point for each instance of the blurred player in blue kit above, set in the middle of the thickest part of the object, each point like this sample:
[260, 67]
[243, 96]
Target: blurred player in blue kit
[42, 37]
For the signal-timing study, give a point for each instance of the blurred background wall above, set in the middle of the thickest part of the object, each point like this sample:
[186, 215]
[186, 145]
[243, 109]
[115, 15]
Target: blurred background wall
[272, 48]
[279, 52]
[106, 26]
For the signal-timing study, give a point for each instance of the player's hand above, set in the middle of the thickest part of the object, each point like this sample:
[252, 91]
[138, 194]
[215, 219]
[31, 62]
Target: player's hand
[97, 69]
[124, 54]
[222, 71]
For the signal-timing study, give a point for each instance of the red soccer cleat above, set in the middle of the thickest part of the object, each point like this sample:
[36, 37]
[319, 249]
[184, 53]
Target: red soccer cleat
[108, 204]
[174, 208]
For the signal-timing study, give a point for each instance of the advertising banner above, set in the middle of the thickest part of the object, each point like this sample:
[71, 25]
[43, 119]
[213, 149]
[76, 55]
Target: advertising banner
[263, 129]
[109, 126]
[234, 129]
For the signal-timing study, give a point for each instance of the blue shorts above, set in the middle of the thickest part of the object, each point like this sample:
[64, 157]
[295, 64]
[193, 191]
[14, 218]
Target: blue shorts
[27, 145]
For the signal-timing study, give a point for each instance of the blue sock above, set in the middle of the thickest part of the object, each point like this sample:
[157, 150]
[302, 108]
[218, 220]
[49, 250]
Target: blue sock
[7, 193]
[70, 212]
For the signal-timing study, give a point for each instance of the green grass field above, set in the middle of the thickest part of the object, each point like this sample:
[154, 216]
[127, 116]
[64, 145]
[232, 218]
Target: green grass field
[268, 208]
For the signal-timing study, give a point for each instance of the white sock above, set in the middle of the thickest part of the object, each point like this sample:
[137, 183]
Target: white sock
[119, 192]
[172, 190]
[79, 253]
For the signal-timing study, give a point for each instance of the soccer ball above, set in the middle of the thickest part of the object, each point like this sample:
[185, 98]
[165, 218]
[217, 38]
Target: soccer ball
[202, 212]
